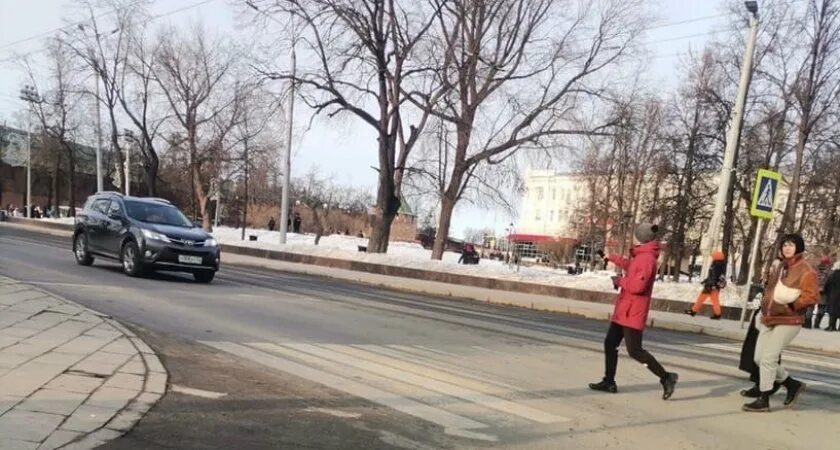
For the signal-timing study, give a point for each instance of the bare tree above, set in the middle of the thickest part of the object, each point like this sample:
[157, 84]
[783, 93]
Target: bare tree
[816, 87]
[193, 73]
[56, 111]
[104, 48]
[490, 57]
[362, 52]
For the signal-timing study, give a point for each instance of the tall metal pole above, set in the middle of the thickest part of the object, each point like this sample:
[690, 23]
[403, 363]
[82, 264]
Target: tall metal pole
[128, 169]
[29, 165]
[99, 187]
[713, 236]
[287, 159]
[751, 263]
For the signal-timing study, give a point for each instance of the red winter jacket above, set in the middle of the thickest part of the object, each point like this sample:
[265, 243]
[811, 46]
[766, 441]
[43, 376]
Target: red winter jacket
[633, 303]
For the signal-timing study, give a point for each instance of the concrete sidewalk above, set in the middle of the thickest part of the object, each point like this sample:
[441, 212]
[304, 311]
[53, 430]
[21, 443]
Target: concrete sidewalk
[69, 377]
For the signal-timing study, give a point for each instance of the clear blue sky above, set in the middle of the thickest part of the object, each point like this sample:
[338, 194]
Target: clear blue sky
[347, 149]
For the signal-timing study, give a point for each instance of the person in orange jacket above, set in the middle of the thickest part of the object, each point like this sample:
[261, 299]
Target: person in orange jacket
[712, 286]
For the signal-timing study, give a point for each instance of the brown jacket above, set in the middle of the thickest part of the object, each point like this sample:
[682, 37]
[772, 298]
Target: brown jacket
[800, 275]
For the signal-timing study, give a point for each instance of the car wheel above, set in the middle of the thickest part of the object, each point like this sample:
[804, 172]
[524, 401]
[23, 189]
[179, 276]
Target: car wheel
[130, 258]
[204, 277]
[80, 250]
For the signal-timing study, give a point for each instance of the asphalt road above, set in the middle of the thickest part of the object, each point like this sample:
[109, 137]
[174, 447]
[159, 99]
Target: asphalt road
[309, 362]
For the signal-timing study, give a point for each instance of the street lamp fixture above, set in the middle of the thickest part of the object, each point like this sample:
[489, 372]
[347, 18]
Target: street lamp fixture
[752, 7]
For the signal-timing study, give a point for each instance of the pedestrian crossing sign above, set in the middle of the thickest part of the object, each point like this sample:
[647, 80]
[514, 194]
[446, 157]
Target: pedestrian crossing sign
[765, 193]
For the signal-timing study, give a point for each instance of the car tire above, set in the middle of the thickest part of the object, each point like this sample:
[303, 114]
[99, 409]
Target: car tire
[204, 277]
[130, 259]
[80, 250]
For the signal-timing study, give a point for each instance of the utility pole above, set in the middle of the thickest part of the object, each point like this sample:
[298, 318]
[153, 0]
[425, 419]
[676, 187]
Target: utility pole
[99, 187]
[30, 96]
[287, 157]
[713, 236]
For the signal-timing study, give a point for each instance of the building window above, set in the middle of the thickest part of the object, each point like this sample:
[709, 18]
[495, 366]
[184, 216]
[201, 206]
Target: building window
[551, 216]
[554, 193]
[539, 193]
[539, 215]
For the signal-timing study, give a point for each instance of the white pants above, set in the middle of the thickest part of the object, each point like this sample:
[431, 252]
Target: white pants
[768, 348]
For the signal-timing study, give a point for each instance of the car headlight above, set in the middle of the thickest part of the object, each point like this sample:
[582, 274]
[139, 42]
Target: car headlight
[155, 236]
[211, 243]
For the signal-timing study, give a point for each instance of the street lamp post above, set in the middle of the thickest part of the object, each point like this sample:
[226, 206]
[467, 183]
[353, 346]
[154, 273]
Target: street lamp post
[732, 138]
[290, 115]
[30, 95]
[130, 138]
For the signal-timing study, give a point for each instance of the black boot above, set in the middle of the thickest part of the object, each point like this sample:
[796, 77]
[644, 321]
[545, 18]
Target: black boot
[832, 323]
[755, 391]
[807, 324]
[761, 404]
[604, 386]
[715, 317]
[669, 382]
[794, 388]
[690, 312]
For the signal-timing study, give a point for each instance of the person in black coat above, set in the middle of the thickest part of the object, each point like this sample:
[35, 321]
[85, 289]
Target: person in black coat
[832, 295]
[747, 363]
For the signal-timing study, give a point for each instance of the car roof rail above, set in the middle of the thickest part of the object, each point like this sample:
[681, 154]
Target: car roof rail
[117, 193]
[158, 199]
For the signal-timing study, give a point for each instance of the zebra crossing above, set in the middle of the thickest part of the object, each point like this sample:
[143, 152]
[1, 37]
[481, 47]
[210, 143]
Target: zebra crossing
[405, 379]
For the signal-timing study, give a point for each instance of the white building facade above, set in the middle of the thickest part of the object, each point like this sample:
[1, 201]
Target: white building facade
[551, 203]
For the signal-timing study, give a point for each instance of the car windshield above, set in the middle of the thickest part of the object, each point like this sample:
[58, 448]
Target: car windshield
[157, 213]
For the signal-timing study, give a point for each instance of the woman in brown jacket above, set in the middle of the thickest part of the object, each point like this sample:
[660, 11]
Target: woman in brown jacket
[791, 289]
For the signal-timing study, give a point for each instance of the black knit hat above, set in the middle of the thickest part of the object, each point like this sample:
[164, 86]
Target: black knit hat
[796, 240]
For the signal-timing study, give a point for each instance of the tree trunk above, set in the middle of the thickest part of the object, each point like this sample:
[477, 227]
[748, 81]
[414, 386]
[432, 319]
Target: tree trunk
[744, 271]
[152, 166]
[201, 198]
[447, 206]
[115, 144]
[387, 203]
[71, 186]
[245, 207]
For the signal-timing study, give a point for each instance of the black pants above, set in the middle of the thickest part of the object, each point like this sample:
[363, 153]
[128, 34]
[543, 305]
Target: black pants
[633, 341]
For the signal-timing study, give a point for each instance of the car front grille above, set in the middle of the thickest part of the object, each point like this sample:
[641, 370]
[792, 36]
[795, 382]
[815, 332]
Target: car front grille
[186, 242]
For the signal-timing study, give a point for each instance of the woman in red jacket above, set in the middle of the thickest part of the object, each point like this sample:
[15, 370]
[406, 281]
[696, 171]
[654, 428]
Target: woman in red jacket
[631, 312]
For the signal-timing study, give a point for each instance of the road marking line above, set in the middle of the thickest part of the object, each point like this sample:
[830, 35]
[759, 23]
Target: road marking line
[432, 350]
[452, 423]
[487, 350]
[786, 356]
[401, 364]
[430, 362]
[334, 412]
[197, 392]
[479, 398]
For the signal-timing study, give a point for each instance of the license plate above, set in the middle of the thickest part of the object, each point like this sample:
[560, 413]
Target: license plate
[186, 259]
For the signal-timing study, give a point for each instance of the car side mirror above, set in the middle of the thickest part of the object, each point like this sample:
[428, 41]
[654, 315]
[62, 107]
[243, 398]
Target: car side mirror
[198, 224]
[115, 216]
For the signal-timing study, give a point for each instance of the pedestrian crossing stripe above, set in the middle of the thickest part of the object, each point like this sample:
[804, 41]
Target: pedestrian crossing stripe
[764, 194]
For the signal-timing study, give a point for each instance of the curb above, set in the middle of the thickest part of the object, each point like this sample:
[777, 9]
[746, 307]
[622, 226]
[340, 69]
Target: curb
[154, 387]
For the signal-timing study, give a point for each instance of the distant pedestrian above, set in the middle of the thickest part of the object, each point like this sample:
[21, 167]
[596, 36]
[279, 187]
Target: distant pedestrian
[791, 289]
[631, 311]
[297, 222]
[823, 270]
[832, 294]
[271, 224]
[712, 285]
